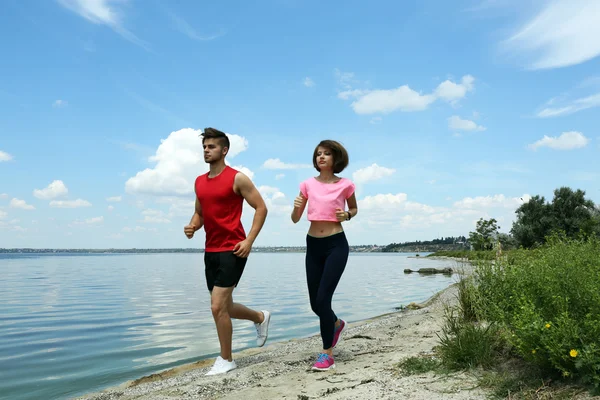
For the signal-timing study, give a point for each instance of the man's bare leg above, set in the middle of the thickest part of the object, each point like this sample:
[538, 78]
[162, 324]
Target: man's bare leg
[240, 311]
[220, 300]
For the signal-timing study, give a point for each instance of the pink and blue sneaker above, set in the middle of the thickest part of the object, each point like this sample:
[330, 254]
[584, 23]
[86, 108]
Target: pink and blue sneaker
[337, 335]
[324, 363]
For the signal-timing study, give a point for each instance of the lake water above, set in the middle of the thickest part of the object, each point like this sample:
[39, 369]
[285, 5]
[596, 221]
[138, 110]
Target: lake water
[74, 324]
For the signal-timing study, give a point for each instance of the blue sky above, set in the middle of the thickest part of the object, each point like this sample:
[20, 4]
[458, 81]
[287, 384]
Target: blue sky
[451, 111]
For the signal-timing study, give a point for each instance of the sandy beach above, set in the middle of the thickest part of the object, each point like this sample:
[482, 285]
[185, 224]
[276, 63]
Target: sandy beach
[366, 361]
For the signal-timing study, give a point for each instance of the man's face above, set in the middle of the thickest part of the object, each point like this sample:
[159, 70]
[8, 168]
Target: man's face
[213, 151]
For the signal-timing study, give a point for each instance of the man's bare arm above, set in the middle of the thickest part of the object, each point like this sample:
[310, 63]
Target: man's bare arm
[250, 193]
[195, 223]
[197, 219]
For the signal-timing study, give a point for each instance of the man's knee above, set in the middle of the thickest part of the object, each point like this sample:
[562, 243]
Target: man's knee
[219, 309]
[219, 303]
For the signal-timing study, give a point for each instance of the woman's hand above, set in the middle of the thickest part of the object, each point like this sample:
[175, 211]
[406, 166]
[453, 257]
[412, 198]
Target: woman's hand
[299, 201]
[341, 215]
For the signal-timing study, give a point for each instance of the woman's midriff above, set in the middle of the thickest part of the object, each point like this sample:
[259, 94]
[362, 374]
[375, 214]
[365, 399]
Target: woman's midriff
[324, 228]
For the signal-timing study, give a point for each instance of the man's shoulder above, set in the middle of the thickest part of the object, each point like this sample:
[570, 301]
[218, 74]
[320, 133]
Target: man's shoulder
[203, 176]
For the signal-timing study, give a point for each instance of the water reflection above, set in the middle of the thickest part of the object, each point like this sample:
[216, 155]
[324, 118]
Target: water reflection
[70, 325]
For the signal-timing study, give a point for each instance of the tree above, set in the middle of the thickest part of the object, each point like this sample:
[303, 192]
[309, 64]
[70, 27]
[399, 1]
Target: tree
[485, 233]
[569, 213]
[533, 223]
[572, 212]
[507, 241]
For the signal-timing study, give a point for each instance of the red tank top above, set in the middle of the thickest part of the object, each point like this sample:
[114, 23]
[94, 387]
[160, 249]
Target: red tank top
[221, 209]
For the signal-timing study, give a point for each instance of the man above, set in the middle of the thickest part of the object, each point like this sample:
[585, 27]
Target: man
[220, 195]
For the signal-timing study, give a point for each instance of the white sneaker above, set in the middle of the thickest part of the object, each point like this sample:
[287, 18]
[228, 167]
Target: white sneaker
[221, 366]
[262, 329]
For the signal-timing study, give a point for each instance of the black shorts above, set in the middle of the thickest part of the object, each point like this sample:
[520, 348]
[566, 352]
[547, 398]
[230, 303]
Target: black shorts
[223, 269]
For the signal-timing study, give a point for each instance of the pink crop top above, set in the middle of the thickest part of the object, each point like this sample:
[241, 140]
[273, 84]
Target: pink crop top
[324, 198]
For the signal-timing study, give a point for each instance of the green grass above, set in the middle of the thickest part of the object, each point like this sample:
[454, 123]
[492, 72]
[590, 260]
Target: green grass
[540, 307]
[419, 365]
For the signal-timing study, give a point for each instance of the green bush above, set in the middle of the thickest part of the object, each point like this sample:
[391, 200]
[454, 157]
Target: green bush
[548, 302]
[466, 344]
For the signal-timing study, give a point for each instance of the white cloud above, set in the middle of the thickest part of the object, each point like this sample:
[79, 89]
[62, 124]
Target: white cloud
[279, 176]
[70, 203]
[458, 124]
[4, 156]
[184, 27]
[95, 221]
[111, 208]
[453, 92]
[387, 101]
[376, 120]
[3, 196]
[566, 141]
[16, 203]
[116, 236]
[139, 229]
[18, 228]
[308, 82]
[179, 160]
[385, 201]
[350, 93]
[344, 79]
[498, 200]
[55, 189]
[114, 199]
[570, 108]
[3, 214]
[561, 34]
[103, 12]
[244, 171]
[151, 211]
[276, 163]
[155, 217]
[404, 98]
[391, 217]
[276, 201]
[371, 173]
[60, 103]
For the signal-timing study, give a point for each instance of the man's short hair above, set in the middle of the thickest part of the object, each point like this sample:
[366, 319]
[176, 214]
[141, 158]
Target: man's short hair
[340, 155]
[212, 133]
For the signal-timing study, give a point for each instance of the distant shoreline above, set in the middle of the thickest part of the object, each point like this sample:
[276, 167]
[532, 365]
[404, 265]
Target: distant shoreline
[274, 249]
[262, 249]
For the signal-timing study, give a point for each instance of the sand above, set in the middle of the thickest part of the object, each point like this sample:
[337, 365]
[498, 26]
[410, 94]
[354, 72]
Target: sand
[366, 367]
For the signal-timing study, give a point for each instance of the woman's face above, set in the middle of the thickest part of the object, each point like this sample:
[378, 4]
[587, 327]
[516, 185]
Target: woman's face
[324, 158]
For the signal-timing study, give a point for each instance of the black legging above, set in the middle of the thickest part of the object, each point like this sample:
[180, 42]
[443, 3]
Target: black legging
[325, 263]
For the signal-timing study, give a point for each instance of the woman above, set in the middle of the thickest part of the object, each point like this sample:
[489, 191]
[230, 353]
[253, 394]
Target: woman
[326, 245]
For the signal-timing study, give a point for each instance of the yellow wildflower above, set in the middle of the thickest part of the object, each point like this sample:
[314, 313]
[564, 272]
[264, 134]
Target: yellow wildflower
[548, 326]
[565, 374]
[533, 351]
[573, 353]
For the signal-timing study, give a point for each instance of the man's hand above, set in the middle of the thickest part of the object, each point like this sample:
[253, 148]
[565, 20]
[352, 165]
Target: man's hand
[243, 248]
[189, 230]
[340, 215]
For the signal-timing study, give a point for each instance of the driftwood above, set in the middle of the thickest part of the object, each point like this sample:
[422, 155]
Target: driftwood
[446, 271]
